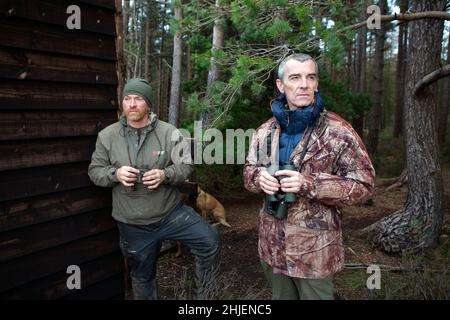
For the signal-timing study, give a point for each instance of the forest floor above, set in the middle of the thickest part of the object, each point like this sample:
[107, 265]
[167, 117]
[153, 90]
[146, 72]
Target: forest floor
[422, 276]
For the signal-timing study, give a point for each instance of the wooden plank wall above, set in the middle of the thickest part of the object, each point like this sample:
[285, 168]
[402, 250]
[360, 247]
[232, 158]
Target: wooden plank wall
[58, 88]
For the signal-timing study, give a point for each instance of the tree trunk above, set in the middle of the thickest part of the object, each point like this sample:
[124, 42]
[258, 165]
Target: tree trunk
[161, 92]
[349, 49]
[150, 32]
[400, 73]
[133, 36]
[126, 28]
[164, 91]
[214, 72]
[147, 51]
[119, 54]
[174, 103]
[140, 41]
[126, 17]
[377, 87]
[217, 44]
[443, 114]
[360, 70]
[280, 40]
[189, 63]
[418, 224]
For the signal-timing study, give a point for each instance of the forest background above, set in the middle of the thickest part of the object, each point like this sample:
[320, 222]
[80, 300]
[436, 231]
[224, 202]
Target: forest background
[216, 61]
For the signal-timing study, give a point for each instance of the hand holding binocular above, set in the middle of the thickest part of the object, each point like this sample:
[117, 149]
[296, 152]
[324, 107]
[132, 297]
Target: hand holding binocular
[277, 203]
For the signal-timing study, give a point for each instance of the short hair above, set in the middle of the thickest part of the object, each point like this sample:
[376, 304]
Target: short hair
[301, 57]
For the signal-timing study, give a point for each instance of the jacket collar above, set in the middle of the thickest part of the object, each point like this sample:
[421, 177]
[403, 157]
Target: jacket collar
[319, 129]
[152, 125]
[296, 121]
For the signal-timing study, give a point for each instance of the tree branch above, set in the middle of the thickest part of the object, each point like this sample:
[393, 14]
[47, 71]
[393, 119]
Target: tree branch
[442, 15]
[431, 77]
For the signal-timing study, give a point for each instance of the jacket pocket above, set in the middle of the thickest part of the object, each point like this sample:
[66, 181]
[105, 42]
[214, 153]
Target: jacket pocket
[271, 240]
[313, 253]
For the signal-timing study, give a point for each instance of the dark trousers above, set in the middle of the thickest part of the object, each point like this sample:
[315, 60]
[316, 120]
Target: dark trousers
[141, 245]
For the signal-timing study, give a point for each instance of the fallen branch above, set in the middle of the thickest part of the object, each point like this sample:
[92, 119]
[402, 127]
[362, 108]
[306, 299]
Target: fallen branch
[384, 267]
[401, 180]
[365, 266]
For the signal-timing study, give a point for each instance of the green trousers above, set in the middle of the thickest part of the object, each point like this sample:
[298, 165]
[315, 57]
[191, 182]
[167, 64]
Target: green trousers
[289, 288]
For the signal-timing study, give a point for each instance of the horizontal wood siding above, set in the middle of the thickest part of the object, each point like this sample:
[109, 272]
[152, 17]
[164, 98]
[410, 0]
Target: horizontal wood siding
[34, 35]
[19, 63]
[58, 89]
[93, 18]
[53, 124]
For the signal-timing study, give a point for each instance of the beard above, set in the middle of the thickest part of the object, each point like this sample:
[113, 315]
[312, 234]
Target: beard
[137, 115]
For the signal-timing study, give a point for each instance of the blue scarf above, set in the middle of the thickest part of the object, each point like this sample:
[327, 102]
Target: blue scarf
[294, 123]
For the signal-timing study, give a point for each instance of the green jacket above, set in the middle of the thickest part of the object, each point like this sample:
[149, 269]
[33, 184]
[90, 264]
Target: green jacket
[118, 145]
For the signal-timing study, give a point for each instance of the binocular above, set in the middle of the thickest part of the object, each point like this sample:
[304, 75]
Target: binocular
[138, 187]
[277, 203]
[140, 175]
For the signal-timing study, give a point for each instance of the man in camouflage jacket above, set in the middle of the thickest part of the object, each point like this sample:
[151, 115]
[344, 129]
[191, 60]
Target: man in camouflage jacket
[301, 253]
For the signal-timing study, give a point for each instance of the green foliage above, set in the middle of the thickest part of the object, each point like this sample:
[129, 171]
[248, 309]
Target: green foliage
[334, 48]
[342, 101]
[199, 43]
[257, 88]
[175, 25]
[304, 15]
[249, 114]
[278, 28]
[195, 108]
[336, 8]
[196, 105]
[259, 33]
[252, 52]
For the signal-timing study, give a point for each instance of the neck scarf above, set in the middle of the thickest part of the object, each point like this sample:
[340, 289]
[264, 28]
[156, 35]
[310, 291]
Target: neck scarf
[296, 121]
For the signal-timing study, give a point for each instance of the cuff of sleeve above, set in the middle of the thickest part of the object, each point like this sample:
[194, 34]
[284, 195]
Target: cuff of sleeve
[256, 178]
[168, 173]
[112, 175]
[307, 188]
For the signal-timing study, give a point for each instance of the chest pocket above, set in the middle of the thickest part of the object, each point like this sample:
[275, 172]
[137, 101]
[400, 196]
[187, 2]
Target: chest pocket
[317, 160]
[154, 158]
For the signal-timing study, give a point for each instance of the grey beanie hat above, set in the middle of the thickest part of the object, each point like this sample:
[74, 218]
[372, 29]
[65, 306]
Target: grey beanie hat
[140, 87]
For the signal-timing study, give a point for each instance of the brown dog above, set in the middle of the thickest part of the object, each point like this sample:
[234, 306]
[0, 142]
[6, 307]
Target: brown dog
[207, 204]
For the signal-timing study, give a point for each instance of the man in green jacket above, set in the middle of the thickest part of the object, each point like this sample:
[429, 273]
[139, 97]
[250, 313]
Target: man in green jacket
[135, 157]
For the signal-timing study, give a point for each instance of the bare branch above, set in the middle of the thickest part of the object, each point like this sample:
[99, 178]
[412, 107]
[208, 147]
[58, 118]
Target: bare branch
[442, 15]
[431, 77]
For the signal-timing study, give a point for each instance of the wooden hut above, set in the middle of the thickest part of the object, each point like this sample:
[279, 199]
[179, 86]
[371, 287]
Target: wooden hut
[58, 88]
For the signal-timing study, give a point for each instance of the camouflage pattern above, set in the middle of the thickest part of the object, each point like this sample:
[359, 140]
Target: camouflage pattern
[308, 243]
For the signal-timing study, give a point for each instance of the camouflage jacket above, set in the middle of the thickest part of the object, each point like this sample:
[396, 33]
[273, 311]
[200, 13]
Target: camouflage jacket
[308, 243]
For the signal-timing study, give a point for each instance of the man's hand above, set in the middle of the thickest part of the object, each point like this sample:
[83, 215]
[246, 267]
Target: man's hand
[268, 183]
[293, 182]
[153, 178]
[127, 175]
